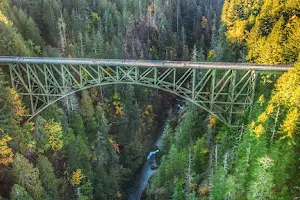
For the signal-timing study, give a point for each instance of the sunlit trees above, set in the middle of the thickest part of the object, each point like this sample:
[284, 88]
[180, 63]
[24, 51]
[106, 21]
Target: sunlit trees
[54, 130]
[49, 135]
[6, 153]
[11, 41]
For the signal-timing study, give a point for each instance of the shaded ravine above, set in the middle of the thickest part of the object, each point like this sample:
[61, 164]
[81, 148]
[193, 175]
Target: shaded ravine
[142, 178]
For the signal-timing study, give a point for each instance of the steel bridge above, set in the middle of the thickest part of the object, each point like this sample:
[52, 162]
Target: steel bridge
[225, 90]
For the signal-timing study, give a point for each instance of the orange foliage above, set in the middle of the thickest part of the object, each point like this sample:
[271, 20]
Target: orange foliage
[119, 111]
[212, 121]
[77, 176]
[115, 145]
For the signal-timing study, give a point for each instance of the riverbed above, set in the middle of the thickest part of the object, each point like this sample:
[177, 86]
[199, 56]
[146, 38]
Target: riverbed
[143, 177]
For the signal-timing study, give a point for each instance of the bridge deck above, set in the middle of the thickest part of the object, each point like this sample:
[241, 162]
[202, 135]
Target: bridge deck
[143, 63]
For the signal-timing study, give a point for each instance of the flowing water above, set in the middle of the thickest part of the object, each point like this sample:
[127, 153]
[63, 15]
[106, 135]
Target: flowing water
[141, 180]
[143, 177]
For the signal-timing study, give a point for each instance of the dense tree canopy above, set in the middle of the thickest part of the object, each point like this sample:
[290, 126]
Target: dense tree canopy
[92, 144]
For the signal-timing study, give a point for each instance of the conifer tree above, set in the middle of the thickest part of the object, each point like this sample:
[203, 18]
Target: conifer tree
[49, 181]
[27, 176]
[19, 193]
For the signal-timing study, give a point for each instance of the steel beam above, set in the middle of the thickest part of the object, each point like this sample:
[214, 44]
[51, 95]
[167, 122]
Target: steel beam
[224, 90]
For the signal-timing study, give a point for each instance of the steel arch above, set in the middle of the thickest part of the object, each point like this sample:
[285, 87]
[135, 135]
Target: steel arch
[225, 90]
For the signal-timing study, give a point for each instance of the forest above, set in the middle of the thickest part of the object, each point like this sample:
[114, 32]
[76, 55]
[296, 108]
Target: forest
[92, 144]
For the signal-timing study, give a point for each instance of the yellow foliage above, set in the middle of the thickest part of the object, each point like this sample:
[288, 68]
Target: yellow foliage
[204, 150]
[203, 190]
[259, 130]
[203, 22]
[211, 54]
[3, 18]
[118, 104]
[287, 88]
[54, 130]
[95, 16]
[6, 153]
[263, 117]
[291, 122]
[28, 127]
[237, 32]
[77, 176]
[252, 125]
[150, 9]
[16, 102]
[31, 145]
[108, 70]
[148, 110]
[110, 140]
[118, 195]
[193, 186]
[212, 121]
[261, 99]
[270, 109]
[266, 79]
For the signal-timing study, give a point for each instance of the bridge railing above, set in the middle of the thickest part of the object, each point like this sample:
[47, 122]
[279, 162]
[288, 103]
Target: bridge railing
[225, 90]
[144, 63]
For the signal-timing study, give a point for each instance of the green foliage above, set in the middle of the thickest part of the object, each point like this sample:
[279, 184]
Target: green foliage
[178, 191]
[53, 112]
[49, 181]
[76, 123]
[219, 190]
[86, 106]
[284, 168]
[173, 164]
[27, 176]
[166, 138]
[19, 193]
[49, 135]
[77, 152]
[11, 41]
[245, 164]
[200, 155]
[261, 185]
[189, 129]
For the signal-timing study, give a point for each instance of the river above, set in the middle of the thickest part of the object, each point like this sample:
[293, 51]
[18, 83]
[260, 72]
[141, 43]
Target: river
[142, 178]
[141, 182]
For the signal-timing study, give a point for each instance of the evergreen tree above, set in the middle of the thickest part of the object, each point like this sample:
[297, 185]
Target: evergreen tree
[76, 123]
[178, 193]
[27, 176]
[50, 183]
[19, 193]
[11, 41]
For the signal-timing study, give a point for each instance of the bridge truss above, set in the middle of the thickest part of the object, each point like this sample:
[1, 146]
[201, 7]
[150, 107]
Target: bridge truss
[224, 90]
